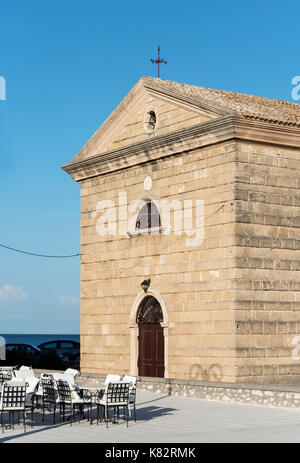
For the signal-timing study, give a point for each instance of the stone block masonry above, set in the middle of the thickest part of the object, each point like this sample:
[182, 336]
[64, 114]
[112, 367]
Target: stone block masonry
[231, 303]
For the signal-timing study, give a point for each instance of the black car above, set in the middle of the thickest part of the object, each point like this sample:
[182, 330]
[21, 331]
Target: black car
[27, 354]
[67, 349]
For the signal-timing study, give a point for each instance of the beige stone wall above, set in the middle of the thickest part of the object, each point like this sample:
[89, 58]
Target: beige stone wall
[129, 127]
[196, 283]
[267, 284]
[233, 302]
[170, 117]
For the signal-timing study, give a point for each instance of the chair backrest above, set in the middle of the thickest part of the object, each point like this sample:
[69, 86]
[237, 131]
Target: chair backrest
[6, 375]
[13, 396]
[117, 393]
[48, 388]
[132, 380]
[65, 377]
[44, 379]
[64, 391]
[72, 372]
[32, 384]
[111, 379]
[24, 367]
[24, 374]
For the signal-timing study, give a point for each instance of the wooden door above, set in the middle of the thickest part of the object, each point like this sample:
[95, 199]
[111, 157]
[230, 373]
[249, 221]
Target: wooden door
[151, 350]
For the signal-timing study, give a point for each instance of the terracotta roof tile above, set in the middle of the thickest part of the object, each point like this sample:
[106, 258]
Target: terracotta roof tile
[250, 106]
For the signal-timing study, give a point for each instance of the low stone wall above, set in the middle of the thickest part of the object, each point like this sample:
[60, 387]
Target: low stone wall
[268, 395]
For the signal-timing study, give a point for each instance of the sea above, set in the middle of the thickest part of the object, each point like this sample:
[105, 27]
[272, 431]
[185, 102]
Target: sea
[36, 339]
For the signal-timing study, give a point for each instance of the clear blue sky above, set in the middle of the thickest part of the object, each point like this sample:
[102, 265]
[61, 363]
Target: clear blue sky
[67, 64]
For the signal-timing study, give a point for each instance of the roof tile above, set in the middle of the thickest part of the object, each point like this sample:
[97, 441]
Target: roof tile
[249, 106]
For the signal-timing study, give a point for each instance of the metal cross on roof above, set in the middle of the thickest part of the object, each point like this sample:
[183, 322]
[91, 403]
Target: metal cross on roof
[158, 61]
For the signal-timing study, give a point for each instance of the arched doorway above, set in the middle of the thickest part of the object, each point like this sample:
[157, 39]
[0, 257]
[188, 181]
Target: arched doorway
[151, 348]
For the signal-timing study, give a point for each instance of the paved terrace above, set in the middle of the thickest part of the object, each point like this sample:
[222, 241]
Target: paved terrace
[169, 419]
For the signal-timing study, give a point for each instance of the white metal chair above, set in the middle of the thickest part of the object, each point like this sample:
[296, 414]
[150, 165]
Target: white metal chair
[132, 380]
[67, 397]
[116, 395]
[49, 395]
[32, 384]
[13, 397]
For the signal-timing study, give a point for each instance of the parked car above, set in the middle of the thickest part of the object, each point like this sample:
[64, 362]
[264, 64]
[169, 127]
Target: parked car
[27, 354]
[67, 349]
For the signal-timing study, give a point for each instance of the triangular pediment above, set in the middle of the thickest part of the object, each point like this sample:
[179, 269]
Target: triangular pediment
[132, 121]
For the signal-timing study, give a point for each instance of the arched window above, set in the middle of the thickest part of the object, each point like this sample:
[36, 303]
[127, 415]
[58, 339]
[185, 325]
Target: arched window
[149, 311]
[148, 217]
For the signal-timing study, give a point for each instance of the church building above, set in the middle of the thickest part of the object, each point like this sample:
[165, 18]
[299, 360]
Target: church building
[190, 237]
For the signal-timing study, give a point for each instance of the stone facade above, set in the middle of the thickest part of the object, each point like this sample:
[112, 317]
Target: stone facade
[267, 258]
[230, 304]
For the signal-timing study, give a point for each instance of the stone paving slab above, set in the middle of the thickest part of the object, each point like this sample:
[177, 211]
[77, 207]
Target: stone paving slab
[169, 419]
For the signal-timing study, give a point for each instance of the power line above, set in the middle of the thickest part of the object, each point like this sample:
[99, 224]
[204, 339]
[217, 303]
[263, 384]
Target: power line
[38, 255]
[76, 255]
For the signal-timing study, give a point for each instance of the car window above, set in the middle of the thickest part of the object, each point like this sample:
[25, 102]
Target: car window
[29, 350]
[66, 345]
[11, 348]
[50, 345]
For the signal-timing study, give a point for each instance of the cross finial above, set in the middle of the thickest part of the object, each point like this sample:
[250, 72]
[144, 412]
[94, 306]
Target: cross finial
[158, 61]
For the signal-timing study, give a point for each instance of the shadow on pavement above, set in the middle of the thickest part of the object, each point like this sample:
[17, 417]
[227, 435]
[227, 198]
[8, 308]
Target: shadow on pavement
[143, 414]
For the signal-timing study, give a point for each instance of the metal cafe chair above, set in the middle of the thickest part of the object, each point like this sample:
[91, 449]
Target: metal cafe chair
[49, 395]
[116, 396]
[132, 400]
[89, 397]
[132, 380]
[32, 385]
[13, 396]
[69, 398]
[38, 393]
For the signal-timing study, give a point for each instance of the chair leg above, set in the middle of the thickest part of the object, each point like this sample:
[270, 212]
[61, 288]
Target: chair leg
[98, 413]
[101, 413]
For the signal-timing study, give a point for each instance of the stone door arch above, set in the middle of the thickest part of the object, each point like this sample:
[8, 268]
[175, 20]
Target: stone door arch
[149, 324]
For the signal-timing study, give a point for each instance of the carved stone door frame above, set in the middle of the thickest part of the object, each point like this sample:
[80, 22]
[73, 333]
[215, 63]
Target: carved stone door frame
[134, 330]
